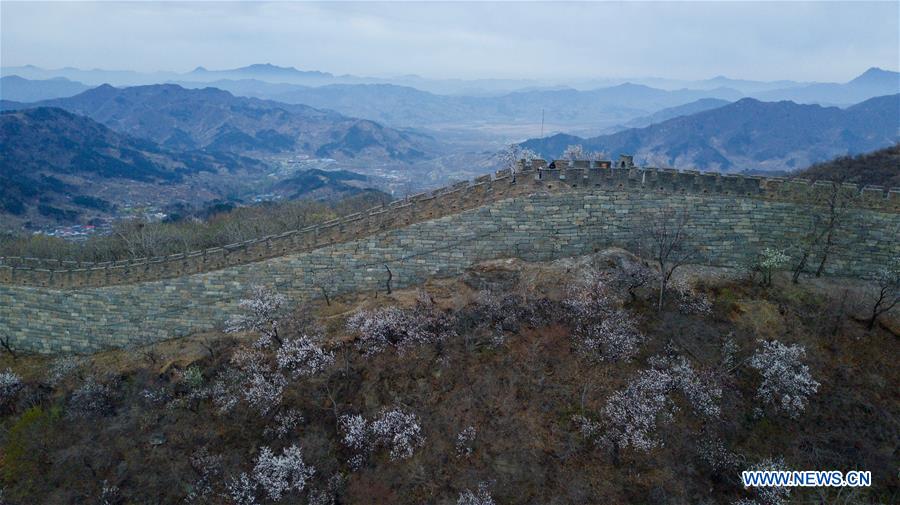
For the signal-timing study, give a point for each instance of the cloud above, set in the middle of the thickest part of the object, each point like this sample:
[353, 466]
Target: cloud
[765, 40]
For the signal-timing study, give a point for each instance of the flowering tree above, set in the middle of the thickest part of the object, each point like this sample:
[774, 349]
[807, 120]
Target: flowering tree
[481, 496]
[510, 156]
[690, 300]
[771, 260]
[399, 329]
[241, 490]
[399, 431]
[301, 357]
[207, 467]
[633, 414]
[262, 308]
[261, 385]
[277, 475]
[600, 328]
[771, 495]
[465, 441]
[574, 152]
[787, 383]
[395, 429]
[284, 423]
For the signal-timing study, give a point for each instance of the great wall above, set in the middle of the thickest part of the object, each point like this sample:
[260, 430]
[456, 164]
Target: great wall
[536, 213]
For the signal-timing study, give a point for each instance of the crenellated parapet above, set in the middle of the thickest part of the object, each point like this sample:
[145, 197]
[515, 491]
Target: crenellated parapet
[529, 177]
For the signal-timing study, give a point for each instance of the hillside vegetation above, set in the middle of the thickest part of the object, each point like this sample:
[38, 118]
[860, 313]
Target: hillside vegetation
[514, 384]
[879, 168]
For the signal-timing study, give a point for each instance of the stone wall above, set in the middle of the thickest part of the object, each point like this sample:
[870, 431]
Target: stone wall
[537, 215]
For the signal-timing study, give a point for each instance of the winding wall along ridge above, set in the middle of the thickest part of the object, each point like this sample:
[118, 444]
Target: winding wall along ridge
[538, 215]
[425, 206]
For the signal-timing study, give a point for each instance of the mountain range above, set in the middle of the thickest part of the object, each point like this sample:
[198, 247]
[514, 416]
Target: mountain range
[748, 135]
[411, 102]
[56, 164]
[215, 120]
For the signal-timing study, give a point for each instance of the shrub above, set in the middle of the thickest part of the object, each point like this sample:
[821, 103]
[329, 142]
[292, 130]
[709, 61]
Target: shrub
[91, 399]
[10, 385]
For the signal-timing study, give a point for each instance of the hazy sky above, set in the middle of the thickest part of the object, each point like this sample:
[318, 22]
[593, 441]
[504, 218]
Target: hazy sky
[759, 40]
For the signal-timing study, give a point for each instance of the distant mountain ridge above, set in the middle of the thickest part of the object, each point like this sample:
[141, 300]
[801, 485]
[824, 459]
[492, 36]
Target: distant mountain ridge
[407, 106]
[872, 82]
[52, 159]
[749, 135]
[216, 120]
[18, 89]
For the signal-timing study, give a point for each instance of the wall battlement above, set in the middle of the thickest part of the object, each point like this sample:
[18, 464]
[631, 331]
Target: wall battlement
[529, 178]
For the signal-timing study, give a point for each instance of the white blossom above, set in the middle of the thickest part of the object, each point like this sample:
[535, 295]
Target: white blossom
[787, 383]
[574, 152]
[356, 432]
[713, 452]
[277, 475]
[241, 490]
[690, 300]
[285, 422]
[91, 398]
[395, 429]
[10, 385]
[262, 309]
[770, 495]
[399, 329]
[207, 467]
[633, 414]
[480, 496]
[261, 385]
[399, 431]
[511, 155]
[601, 329]
[589, 428]
[62, 367]
[465, 440]
[301, 357]
[769, 261]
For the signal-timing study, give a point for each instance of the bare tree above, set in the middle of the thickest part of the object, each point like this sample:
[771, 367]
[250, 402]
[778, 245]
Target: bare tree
[887, 294]
[821, 235]
[665, 240]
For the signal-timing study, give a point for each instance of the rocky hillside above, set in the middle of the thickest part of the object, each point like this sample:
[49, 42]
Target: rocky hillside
[215, 120]
[513, 384]
[749, 135]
